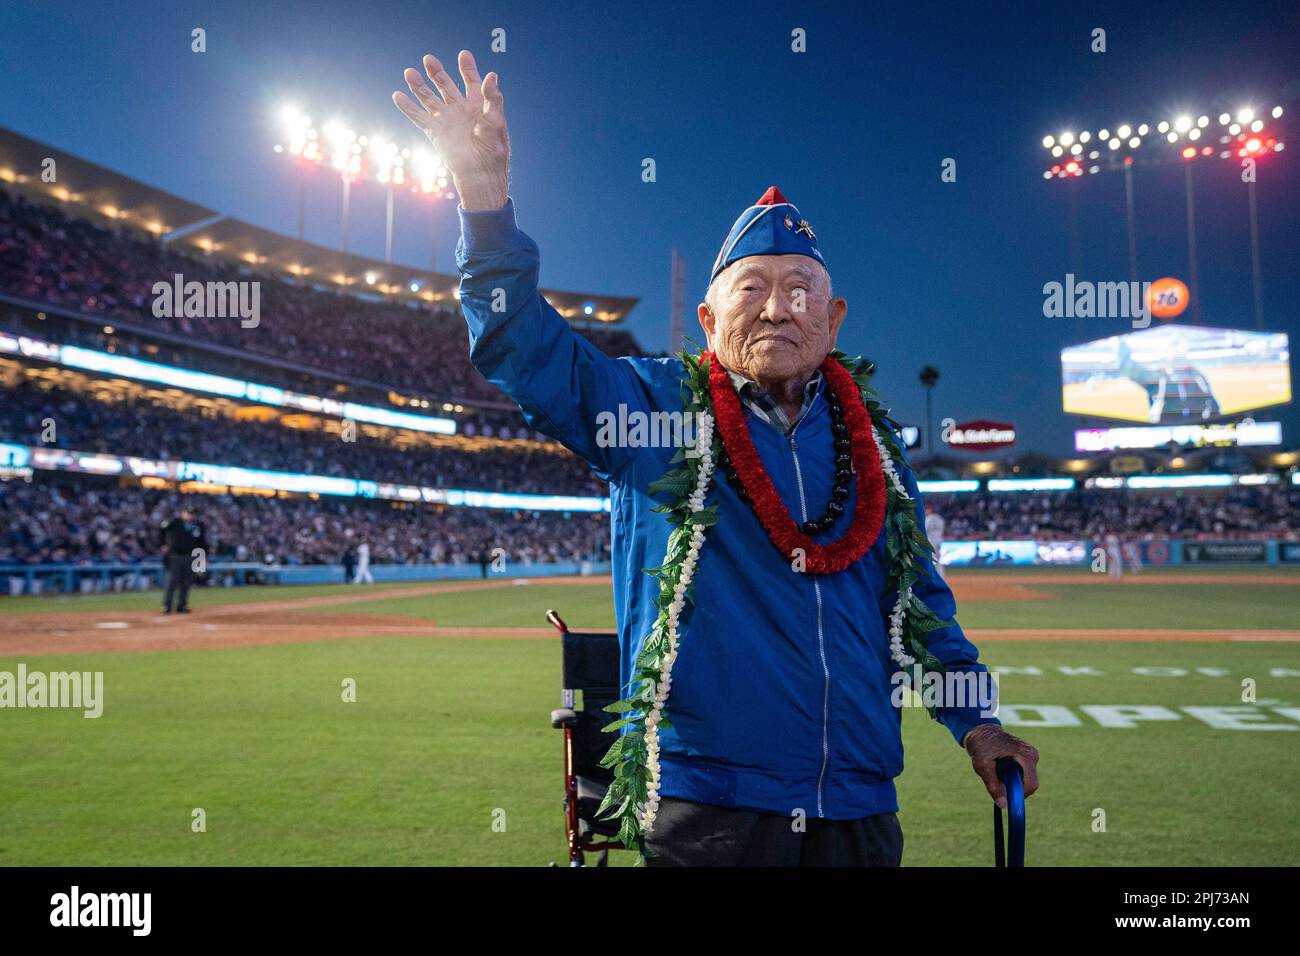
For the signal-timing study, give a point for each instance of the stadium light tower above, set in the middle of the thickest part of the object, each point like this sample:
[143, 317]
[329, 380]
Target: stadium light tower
[299, 140]
[1248, 134]
[346, 156]
[390, 170]
[1257, 139]
[434, 181]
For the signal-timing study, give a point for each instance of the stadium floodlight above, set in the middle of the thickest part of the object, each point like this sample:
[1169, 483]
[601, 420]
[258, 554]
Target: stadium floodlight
[1225, 119]
[345, 154]
[1057, 150]
[1143, 129]
[1162, 127]
[1194, 134]
[1183, 124]
[1085, 136]
[390, 171]
[1256, 126]
[1049, 141]
[1202, 121]
[1134, 143]
[1113, 144]
[1277, 112]
[1124, 131]
[1245, 115]
[298, 138]
[1067, 138]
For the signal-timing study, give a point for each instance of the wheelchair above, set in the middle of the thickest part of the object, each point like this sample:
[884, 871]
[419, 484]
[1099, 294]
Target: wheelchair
[590, 665]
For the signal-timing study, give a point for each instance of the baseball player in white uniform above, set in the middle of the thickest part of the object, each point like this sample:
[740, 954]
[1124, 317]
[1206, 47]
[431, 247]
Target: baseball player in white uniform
[934, 531]
[1114, 556]
[363, 564]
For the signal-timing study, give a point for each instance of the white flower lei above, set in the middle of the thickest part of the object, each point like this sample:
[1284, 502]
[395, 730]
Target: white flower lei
[696, 503]
[897, 617]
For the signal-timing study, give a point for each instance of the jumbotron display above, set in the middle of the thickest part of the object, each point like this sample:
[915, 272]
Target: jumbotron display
[1176, 374]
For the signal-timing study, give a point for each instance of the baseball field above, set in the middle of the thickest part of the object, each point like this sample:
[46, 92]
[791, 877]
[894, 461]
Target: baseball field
[1164, 707]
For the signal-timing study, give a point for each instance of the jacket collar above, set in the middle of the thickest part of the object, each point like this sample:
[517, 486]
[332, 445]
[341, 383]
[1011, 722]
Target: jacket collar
[764, 405]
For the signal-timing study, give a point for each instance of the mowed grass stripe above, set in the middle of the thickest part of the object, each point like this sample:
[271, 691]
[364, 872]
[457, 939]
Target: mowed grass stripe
[1198, 606]
[199, 597]
[582, 605]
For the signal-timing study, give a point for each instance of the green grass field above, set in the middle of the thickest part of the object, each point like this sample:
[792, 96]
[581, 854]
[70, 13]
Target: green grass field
[450, 739]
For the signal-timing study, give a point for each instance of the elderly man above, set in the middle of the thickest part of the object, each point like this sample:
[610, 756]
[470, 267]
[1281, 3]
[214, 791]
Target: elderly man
[796, 591]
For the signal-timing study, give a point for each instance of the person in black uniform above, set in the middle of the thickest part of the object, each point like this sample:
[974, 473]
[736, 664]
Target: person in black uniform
[180, 536]
[349, 564]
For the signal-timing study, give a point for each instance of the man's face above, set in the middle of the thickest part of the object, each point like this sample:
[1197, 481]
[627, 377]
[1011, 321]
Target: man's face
[772, 318]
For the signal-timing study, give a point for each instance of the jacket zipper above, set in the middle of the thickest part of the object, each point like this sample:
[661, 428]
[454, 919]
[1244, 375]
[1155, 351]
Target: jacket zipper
[821, 637]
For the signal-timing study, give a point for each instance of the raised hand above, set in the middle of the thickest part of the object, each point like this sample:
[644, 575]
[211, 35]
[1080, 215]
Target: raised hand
[468, 131]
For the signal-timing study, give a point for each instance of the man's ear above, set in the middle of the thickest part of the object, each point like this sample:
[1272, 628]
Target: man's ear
[708, 322]
[838, 310]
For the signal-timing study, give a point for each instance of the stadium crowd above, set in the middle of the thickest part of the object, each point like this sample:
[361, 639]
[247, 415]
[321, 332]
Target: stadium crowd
[1089, 514]
[93, 520]
[148, 429]
[50, 257]
[97, 521]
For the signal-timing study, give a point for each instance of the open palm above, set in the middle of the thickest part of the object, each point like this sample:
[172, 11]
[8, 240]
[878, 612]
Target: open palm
[467, 130]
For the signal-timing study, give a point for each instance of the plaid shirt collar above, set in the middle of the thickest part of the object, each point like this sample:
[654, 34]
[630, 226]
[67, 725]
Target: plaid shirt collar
[762, 403]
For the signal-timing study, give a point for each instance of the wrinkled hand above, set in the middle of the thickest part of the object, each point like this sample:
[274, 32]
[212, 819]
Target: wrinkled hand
[468, 131]
[986, 744]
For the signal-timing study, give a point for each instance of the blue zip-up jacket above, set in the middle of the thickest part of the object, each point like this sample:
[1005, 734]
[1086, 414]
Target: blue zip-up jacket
[781, 689]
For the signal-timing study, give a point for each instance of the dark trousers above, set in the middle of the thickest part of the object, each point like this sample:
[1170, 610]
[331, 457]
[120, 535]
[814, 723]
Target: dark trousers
[696, 834]
[179, 578]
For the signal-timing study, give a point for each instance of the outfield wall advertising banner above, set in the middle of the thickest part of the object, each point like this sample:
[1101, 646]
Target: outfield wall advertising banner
[1176, 374]
[1062, 552]
[1155, 552]
[978, 554]
[1289, 551]
[988, 553]
[1225, 552]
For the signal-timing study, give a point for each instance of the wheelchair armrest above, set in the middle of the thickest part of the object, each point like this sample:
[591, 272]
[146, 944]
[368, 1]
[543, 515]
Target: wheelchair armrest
[564, 717]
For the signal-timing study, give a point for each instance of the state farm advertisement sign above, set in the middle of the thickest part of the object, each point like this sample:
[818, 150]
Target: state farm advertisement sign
[979, 435]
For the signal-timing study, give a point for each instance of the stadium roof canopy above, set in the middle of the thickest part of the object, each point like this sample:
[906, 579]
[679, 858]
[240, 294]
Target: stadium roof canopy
[100, 193]
[321, 265]
[82, 183]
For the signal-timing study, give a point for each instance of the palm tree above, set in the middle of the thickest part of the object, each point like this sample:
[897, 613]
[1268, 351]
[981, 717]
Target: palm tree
[929, 376]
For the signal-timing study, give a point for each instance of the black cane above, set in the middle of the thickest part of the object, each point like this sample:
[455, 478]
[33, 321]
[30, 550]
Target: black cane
[1009, 773]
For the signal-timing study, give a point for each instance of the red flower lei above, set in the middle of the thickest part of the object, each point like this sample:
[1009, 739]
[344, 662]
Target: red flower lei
[869, 511]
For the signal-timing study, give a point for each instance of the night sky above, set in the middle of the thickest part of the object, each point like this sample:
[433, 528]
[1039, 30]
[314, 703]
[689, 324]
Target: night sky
[854, 132]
